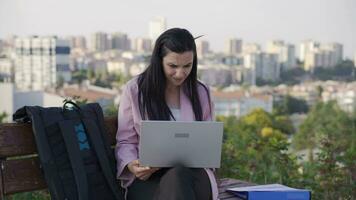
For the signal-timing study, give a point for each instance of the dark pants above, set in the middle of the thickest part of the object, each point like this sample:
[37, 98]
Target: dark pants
[178, 183]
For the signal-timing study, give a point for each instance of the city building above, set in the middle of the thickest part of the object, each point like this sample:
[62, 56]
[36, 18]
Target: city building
[8, 46]
[319, 58]
[270, 67]
[232, 60]
[85, 91]
[142, 45]
[220, 75]
[215, 75]
[343, 93]
[119, 66]
[233, 46]
[120, 41]
[262, 66]
[78, 42]
[307, 92]
[156, 27]
[13, 99]
[137, 68]
[79, 59]
[248, 48]
[315, 54]
[202, 47]
[240, 103]
[6, 69]
[99, 41]
[41, 62]
[346, 99]
[285, 52]
[306, 47]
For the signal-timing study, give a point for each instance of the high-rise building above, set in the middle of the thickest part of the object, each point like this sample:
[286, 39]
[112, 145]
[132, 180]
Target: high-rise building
[78, 42]
[285, 52]
[8, 45]
[263, 66]
[99, 41]
[156, 27]
[142, 45]
[41, 62]
[336, 50]
[233, 46]
[6, 69]
[251, 48]
[306, 47]
[322, 55]
[120, 41]
[202, 47]
[270, 67]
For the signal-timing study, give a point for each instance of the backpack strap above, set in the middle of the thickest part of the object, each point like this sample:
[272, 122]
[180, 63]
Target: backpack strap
[48, 164]
[69, 136]
[98, 145]
[100, 120]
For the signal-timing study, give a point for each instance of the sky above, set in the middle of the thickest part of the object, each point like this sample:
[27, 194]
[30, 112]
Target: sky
[251, 20]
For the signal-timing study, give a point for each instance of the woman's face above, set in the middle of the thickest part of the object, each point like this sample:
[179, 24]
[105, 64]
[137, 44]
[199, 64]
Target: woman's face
[177, 67]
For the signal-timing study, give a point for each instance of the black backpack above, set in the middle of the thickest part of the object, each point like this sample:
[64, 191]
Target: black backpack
[74, 151]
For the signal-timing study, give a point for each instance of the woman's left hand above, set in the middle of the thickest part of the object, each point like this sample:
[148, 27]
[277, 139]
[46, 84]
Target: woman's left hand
[147, 173]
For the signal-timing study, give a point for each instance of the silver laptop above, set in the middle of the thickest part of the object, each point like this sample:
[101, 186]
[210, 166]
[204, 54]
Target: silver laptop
[191, 144]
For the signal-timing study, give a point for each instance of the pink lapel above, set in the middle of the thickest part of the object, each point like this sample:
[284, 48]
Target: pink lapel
[186, 110]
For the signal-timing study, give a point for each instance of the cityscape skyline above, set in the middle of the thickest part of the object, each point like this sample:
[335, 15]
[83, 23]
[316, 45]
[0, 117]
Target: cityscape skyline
[324, 21]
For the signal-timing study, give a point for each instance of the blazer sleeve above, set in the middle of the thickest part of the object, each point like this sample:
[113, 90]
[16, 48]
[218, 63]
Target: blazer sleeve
[126, 137]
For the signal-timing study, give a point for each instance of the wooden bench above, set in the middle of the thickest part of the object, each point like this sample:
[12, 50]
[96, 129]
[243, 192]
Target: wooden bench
[19, 164]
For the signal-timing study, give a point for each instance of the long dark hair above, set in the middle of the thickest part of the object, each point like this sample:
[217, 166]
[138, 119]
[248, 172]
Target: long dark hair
[152, 82]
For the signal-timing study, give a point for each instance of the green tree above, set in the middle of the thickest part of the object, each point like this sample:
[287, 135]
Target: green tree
[292, 76]
[324, 118]
[111, 110]
[344, 70]
[255, 149]
[119, 79]
[91, 74]
[60, 82]
[3, 117]
[331, 132]
[289, 105]
[284, 123]
[320, 92]
[79, 76]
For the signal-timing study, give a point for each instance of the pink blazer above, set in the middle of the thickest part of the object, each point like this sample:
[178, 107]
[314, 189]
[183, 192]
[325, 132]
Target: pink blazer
[128, 132]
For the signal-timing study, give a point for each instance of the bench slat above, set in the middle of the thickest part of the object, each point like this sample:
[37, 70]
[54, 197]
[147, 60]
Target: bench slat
[22, 175]
[18, 140]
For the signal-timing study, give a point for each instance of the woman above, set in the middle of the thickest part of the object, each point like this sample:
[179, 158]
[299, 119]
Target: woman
[167, 90]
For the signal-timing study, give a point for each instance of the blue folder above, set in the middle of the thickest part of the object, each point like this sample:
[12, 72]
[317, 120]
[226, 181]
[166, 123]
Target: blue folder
[270, 192]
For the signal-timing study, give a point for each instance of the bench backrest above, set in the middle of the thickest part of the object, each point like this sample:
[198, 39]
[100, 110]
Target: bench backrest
[19, 164]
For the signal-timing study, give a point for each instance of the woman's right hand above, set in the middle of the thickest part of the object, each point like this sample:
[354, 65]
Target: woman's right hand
[142, 173]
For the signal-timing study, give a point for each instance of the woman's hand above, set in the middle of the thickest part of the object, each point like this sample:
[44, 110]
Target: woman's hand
[142, 173]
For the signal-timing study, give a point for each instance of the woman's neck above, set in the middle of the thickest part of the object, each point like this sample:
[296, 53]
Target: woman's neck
[172, 88]
[173, 96]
